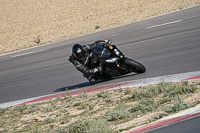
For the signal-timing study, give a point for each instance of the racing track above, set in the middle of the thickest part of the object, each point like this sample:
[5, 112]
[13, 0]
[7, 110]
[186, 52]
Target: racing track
[168, 44]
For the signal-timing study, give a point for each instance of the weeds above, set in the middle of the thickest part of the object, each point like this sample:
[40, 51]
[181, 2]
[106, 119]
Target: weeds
[49, 108]
[69, 94]
[79, 126]
[178, 104]
[84, 95]
[50, 119]
[83, 106]
[20, 108]
[77, 104]
[32, 109]
[109, 101]
[145, 106]
[51, 126]
[159, 116]
[169, 90]
[64, 110]
[37, 39]
[35, 131]
[61, 130]
[118, 113]
[103, 94]
[165, 100]
[97, 27]
[180, 88]
[91, 106]
[107, 109]
[3, 111]
[127, 91]
[90, 126]
[150, 92]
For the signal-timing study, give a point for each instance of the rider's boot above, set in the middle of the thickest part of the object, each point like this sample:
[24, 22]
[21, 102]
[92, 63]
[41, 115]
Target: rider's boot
[92, 80]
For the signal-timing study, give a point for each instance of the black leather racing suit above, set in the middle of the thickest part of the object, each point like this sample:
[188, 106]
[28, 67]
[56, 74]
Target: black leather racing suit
[82, 65]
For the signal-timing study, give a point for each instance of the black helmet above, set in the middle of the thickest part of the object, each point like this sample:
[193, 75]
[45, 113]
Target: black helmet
[77, 51]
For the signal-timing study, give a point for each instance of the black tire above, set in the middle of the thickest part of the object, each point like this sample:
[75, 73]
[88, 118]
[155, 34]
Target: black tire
[135, 66]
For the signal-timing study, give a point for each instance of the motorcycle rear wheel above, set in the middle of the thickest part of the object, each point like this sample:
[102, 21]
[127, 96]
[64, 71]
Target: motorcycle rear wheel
[135, 66]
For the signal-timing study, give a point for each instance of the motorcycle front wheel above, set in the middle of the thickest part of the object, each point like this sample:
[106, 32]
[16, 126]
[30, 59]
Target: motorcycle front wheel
[135, 66]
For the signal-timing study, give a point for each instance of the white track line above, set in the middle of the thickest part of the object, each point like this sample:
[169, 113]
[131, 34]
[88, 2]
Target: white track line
[155, 26]
[114, 35]
[28, 53]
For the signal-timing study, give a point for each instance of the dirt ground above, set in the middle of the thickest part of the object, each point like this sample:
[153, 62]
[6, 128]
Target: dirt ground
[27, 23]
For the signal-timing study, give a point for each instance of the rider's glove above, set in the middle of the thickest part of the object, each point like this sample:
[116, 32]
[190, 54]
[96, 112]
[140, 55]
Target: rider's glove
[108, 42]
[97, 69]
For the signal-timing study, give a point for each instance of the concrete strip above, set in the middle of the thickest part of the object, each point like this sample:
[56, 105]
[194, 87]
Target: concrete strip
[189, 111]
[167, 78]
[182, 115]
[161, 123]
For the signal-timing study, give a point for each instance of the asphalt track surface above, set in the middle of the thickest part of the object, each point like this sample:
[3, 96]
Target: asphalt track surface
[186, 126]
[168, 44]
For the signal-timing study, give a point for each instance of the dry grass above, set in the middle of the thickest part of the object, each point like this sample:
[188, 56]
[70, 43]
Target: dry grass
[55, 114]
[26, 23]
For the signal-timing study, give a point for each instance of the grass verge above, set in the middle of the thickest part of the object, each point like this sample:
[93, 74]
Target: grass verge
[105, 111]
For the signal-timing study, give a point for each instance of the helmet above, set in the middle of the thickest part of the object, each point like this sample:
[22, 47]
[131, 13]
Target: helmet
[78, 52]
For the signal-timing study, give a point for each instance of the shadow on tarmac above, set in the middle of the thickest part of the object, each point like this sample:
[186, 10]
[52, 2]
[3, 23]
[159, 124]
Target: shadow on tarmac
[85, 84]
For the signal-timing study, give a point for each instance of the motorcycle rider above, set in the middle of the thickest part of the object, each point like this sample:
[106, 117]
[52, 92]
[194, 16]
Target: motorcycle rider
[80, 58]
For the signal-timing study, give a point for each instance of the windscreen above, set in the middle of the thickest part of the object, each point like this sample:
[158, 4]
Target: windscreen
[100, 51]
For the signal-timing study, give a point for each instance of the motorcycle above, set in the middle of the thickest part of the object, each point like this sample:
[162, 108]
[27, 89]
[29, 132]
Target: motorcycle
[112, 62]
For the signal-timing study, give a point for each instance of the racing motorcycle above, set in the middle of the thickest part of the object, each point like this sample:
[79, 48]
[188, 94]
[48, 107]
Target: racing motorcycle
[112, 62]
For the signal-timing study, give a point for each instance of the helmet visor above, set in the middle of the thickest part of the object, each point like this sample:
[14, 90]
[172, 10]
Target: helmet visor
[79, 55]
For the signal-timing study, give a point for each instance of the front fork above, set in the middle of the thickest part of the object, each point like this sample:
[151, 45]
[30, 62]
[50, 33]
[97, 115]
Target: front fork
[120, 63]
[122, 67]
